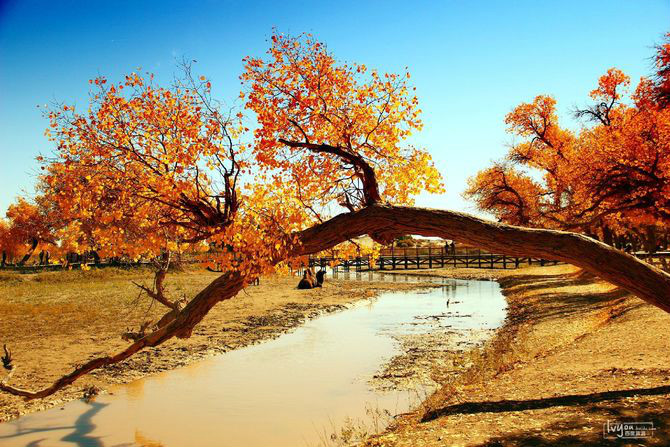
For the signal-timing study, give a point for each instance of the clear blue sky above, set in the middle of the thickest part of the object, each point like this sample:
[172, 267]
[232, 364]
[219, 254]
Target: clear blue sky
[471, 61]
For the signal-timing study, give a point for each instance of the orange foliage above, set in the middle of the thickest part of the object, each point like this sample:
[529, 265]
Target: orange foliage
[27, 229]
[148, 169]
[133, 175]
[612, 176]
[323, 126]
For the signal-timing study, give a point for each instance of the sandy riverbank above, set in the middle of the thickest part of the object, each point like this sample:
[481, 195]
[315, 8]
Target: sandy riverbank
[575, 353]
[52, 321]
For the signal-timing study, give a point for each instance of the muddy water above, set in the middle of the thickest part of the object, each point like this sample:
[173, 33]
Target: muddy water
[290, 391]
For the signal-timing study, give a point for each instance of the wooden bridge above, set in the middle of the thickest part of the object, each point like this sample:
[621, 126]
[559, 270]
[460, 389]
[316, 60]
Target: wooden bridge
[434, 257]
[427, 257]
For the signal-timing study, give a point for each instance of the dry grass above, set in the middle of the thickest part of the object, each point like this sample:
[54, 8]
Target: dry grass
[575, 353]
[102, 302]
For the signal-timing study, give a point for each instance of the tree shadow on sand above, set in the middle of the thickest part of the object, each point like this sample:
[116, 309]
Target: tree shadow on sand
[584, 425]
[552, 300]
[571, 432]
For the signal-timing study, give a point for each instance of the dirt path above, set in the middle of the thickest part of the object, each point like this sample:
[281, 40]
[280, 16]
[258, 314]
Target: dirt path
[51, 321]
[575, 353]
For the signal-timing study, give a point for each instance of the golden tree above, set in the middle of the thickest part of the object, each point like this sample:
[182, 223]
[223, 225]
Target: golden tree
[609, 180]
[146, 167]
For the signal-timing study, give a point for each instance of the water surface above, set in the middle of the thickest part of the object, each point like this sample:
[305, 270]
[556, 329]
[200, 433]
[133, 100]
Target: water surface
[290, 391]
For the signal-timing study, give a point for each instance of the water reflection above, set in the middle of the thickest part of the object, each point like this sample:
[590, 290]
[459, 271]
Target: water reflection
[135, 389]
[376, 276]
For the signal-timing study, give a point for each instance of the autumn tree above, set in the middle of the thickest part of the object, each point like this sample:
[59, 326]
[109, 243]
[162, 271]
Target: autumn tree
[9, 247]
[147, 165]
[609, 179]
[28, 226]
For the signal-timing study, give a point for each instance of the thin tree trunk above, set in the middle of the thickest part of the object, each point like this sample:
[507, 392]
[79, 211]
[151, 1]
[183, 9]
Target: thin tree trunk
[650, 240]
[608, 236]
[33, 246]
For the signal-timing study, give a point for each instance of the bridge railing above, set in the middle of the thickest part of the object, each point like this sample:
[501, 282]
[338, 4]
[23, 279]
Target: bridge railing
[419, 259]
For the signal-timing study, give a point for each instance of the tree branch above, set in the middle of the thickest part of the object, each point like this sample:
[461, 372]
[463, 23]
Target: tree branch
[369, 179]
[382, 222]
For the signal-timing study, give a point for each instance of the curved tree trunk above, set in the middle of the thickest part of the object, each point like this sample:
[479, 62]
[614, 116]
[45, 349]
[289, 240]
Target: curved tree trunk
[224, 287]
[33, 246]
[384, 223]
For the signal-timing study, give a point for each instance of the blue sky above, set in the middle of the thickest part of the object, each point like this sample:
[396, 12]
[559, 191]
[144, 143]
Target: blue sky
[471, 61]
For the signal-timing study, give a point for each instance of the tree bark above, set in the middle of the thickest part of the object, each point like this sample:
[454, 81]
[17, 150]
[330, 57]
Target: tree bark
[224, 287]
[33, 246]
[384, 224]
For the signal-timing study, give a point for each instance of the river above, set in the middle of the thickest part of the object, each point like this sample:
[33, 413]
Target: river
[295, 390]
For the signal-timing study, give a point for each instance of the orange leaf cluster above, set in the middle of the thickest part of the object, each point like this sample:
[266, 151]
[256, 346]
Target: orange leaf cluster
[610, 179]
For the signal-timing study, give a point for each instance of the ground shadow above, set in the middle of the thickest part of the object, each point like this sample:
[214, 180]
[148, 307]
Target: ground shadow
[551, 301]
[80, 435]
[536, 404]
[585, 429]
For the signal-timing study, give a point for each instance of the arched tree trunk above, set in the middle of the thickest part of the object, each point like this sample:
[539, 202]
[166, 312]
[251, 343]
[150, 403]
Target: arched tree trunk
[385, 223]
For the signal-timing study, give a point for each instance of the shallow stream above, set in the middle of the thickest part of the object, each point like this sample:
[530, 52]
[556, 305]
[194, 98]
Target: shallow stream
[294, 390]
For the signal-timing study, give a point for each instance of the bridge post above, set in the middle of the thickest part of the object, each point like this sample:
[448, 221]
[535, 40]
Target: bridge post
[430, 257]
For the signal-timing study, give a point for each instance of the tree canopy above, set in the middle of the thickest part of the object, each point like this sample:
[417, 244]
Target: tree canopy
[147, 171]
[611, 177]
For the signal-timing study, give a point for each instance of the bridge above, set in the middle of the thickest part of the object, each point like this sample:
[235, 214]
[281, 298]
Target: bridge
[427, 257]
[434, 257]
